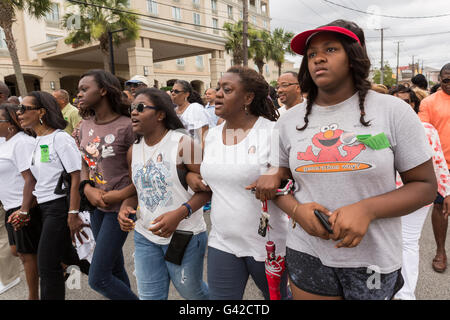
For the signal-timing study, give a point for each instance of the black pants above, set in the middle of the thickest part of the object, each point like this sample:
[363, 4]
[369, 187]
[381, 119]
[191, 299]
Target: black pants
[55, 246]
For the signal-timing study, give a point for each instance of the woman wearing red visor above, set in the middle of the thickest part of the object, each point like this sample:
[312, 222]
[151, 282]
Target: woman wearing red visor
[343, 149]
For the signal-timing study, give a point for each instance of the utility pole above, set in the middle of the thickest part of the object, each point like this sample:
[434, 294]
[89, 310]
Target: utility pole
[413, 67]
[245, 33]
[398, 57]
[382, 64]
[111, 49]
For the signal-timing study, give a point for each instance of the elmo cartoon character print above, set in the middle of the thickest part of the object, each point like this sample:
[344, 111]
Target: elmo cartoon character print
[334, 146]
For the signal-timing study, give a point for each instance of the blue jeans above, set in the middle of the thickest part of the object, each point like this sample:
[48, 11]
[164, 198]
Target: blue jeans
[228, 276]
[153, 273]
[107, 274]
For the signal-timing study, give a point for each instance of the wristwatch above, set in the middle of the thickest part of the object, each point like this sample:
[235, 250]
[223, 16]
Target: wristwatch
[189, 209]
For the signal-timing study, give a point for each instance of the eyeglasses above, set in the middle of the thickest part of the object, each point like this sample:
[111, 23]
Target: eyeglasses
[176, 91]
[446, 81]
[140, 107]
[22, 108]
[285, 85]
[2, 120]
[135, 84]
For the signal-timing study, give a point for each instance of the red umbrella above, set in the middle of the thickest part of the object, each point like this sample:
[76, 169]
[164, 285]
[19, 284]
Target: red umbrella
[274, 266]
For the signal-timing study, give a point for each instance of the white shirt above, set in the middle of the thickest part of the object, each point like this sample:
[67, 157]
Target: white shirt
[235, 212]
[47, 173]
[15, 157]
[194, 117]
[159, 188]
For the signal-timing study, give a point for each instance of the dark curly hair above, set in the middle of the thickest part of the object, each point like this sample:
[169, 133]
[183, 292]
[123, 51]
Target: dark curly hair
[106, 80]
[360, 67]
[412, 95]
[252, 81]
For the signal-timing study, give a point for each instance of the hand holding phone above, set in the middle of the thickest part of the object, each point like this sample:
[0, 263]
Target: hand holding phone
[323, 218]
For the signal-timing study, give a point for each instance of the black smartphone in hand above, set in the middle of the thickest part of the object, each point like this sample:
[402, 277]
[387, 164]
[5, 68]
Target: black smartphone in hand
[323, 218]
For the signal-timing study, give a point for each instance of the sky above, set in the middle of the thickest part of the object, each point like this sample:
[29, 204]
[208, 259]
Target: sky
[415, 34]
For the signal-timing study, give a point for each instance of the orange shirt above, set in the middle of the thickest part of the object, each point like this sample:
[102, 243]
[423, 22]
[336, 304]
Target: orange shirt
[435, 109]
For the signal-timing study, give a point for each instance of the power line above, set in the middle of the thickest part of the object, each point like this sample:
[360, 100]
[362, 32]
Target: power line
[384, 15]
[412, 35]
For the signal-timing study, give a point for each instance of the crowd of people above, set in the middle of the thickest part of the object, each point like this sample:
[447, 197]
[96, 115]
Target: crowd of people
[154, 162]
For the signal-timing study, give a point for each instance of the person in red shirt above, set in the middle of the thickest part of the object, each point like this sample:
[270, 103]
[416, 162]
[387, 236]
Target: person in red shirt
[435, 110]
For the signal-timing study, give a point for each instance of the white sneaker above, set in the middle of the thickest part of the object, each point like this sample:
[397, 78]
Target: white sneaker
[4, 288]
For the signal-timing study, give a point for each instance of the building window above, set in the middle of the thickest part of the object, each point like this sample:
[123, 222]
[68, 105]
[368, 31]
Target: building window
[152, 7]
[196, 3]
[215, 24]
[53, 14]
[265, 24]
[267, 69]
[230, 12]
[199, 61]
[252, 2]
[214, 5]
[241, 14]
[196, 18]
[180, 62]
[176, 13]
[2, 40]
[264, 8]
[253, 20]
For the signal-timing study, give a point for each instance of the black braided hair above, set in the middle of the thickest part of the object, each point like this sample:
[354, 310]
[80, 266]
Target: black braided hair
[360, 67]
[253, 82]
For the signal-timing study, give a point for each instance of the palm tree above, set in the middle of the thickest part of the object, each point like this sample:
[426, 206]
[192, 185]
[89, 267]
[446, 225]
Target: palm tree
[280, 45]
[233, 37]
[97, 21]
[260, 47]
[35, 8]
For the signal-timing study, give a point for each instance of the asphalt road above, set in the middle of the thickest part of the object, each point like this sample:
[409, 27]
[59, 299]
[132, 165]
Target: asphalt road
[430, 286]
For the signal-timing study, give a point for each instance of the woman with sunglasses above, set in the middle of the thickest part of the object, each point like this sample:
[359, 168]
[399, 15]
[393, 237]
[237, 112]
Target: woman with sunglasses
[23, 218]
[159, 161]
[412, 223]
[343, 148]
[190, 110]
[105, 137]
[53, 153]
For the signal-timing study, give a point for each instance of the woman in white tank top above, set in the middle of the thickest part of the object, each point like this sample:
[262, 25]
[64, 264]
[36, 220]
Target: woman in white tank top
[158, 162]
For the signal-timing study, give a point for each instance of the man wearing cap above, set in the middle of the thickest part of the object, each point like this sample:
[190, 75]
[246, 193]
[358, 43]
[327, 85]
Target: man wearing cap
[136, 83]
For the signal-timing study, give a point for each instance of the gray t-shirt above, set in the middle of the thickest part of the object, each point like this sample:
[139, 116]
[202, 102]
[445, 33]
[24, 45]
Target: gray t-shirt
[334, 170]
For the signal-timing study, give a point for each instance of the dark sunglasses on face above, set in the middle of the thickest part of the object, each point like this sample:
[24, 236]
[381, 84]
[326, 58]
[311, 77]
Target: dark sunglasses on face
[22, 108]
[135, 84]
[175, 91]
[446, 81]
[140, 107]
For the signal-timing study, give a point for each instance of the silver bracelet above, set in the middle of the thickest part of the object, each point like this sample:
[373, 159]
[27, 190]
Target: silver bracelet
[23, 212]
[74, 212]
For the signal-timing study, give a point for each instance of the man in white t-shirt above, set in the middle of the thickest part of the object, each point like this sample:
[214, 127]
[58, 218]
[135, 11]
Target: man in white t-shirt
[9, 265]
[288, 90]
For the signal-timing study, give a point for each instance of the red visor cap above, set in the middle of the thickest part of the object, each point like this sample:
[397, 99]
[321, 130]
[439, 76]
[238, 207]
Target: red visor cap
[298, 43]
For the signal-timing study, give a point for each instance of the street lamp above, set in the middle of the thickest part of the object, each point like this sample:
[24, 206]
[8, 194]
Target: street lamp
[111, 49]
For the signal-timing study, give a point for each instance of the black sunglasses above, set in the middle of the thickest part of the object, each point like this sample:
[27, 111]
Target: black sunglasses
[135, 84]
[140, 107]
[175, 91]
[22, 108]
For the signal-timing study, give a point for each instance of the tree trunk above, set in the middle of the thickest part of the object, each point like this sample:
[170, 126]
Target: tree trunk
[106, 62]
[279, 68]
[260, 65]
[6, 24]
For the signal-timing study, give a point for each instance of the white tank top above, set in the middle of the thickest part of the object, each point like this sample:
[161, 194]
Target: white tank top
[158, 186]
[235, 212]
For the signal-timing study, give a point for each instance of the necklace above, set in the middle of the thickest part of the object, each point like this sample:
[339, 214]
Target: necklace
[155, 147]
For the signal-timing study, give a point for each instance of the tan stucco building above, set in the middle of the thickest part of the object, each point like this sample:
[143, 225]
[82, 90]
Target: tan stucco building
[177, 40]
